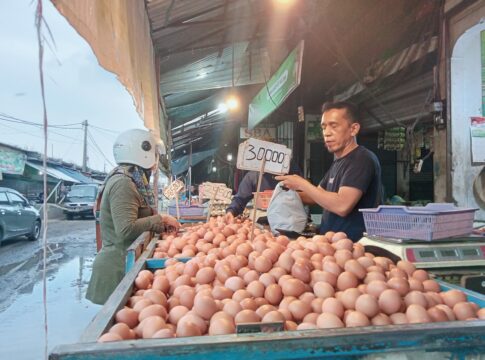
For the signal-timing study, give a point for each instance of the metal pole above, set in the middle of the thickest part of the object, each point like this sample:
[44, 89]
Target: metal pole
[85, 149]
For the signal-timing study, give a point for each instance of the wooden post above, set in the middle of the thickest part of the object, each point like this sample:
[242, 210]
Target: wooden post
[261, 172]
[177, 205]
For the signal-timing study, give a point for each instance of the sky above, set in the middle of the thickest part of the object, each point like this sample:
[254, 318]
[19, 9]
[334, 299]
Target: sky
[77, 89]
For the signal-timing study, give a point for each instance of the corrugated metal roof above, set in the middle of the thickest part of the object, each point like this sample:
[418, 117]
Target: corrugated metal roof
[55, 173]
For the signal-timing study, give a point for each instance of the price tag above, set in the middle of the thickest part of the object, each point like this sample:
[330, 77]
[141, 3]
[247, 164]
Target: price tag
[252, 152]
[171, 191]
[221, 191]
[251, 328]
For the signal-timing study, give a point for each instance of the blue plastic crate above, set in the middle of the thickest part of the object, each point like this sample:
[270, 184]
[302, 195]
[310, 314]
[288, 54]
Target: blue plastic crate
[430, 222]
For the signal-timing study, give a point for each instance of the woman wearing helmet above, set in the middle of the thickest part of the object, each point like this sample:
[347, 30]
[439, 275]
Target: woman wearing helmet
[125, 210]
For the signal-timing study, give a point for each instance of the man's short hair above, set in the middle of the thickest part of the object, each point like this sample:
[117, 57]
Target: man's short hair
[352, 111]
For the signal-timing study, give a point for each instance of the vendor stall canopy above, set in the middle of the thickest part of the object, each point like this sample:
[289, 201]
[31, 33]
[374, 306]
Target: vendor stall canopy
[378, 53]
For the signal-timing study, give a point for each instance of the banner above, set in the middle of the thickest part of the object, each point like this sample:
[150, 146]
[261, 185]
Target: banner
[278, 88]
[12, 161]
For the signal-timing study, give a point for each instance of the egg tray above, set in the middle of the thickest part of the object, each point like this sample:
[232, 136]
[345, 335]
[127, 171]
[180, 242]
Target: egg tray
[460, 339]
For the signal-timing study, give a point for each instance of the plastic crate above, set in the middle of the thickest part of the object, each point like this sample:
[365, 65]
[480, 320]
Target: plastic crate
[430, 222]
[186, 210]
[263, 199]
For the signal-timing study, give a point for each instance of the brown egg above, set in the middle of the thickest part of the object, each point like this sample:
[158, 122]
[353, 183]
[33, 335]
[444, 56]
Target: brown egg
[290, 325]
[256, 288]
[187, 329]
[415, 284]
[347, 280]
[277, 272]
[398, 318]
[349, 297]
[182, 280]
[232, 307]
[317, 305]
[481, 314]
[142, 282]
[431, 285]
[301, 271]
[383, 262]
[399, 284]
[267, 279]
[367, 305]
[260, 301]
[447, 310]
[127, 316]
[161, 283]
[374, 276]
[311, 318]
[264, 309]
[306, 326]
[205, 306]
[224, 272]
[356, 318]
[177, 313]
[273, 316]
[241, 294]
[122, 330]
[250, 276]
[262, 264]
[355, 268]
[417, 314]
[328, 321]
[187, 298]
[463, 311]
[222, 326]
[221, 293]
[192, 317]
[437, 315]
[273, 294]
[286, 261]
[108, 337]
[205, 275]
[307, 297]
[325, 276]
[453, 297]
[235, 283]
[332, 267]
[299, 309]
[249, 303]
[420, 275]
[342, 256]
[151, 325]
[140, 305]
[376, 287]
[390, 301]
[323, 290]
[381, 319]
[246, 316]
[164, 334]
[333, 306]
[416, 297]
[375, 268]
[293, 287]
[153, 310]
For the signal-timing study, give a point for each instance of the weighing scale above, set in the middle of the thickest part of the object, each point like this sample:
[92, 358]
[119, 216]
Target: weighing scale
[459, 260]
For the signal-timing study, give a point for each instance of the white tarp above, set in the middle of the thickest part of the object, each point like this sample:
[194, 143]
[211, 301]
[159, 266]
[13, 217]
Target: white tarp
[118, 31]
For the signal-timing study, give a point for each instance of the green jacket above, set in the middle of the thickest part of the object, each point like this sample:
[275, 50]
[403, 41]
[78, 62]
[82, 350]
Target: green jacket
[123, 217]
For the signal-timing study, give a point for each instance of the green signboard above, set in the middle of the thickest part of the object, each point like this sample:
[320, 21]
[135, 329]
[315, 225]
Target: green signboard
[278, 88]
[482, 48]
[12, 161]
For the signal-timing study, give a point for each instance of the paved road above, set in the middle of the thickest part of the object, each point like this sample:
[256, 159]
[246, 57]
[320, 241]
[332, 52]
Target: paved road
[70, 253]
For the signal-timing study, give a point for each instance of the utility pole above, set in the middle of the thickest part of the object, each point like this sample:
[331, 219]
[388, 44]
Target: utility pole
[85, 149]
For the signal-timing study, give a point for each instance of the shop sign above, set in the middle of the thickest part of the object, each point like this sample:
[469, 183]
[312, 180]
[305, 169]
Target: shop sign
[253, 152]
[217, 191]
[259, 133]
[171, 191]
[278, 88]
[12, 161]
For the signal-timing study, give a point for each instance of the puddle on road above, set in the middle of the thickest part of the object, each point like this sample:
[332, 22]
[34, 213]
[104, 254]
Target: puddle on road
[22, 323]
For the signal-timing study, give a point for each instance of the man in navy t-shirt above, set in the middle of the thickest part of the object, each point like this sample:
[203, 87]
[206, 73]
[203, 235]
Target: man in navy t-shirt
[353, 181]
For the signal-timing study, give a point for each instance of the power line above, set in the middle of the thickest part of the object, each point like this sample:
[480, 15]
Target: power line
[91, 138]
[41, 137]
[13, 119]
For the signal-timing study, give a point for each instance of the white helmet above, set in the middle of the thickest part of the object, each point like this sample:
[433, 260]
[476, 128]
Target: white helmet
[137, 147]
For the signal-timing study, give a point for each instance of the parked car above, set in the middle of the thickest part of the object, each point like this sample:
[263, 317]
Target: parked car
[80, 201]
[17, 216]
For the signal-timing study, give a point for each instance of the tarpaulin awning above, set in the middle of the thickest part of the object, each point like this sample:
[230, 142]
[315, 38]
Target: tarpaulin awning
[78, 175]
[53, 172]
[182, 164]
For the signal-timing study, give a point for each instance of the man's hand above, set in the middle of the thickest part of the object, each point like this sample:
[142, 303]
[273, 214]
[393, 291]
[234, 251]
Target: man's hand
[229, 217]
[293, 182]
[171, 224]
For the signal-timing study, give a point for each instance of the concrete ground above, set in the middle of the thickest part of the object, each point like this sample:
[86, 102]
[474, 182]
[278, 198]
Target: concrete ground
[70, 253]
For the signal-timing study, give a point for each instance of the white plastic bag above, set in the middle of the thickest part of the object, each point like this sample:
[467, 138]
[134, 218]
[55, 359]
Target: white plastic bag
[286, 211]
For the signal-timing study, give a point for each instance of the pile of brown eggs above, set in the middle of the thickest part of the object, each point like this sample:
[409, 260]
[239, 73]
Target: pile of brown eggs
[323, 282]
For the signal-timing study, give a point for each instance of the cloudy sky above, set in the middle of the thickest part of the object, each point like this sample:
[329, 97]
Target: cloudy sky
[77, 89]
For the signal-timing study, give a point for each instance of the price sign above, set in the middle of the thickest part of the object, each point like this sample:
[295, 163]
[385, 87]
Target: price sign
[173, 189]
[207, 190]
[252, 152]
